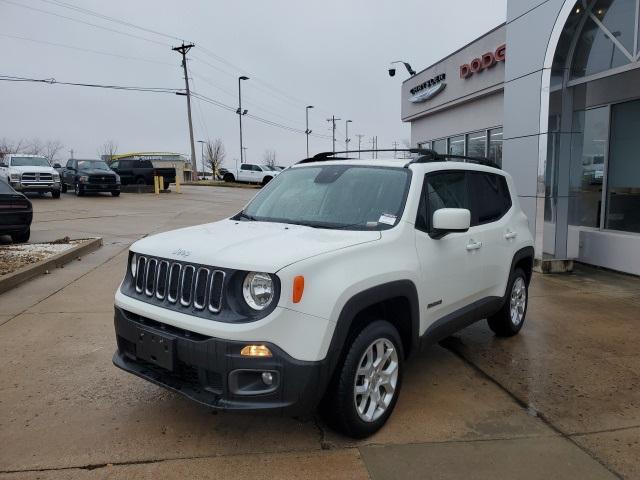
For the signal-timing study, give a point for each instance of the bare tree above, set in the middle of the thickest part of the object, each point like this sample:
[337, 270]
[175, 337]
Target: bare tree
[34, 147]
[214, 155]
[269, 158]
[108, 150]
[9, 146]
[52, 149]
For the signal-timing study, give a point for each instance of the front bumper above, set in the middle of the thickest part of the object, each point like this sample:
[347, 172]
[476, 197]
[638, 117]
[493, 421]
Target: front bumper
[36, 187]
[211, 371]
[97, 187]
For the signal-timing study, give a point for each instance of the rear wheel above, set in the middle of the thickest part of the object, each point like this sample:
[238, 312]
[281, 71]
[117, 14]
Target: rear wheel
[366, 386]
[228, 177]
[509, 320]
[266, 180]
[141, 181]
[21, 237]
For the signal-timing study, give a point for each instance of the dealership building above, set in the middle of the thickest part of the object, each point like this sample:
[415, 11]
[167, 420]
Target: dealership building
[553, 96]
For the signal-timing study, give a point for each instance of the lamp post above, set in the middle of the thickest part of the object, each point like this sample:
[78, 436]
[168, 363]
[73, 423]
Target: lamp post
[240, 113]
[202, 142]
[346, 135]
[307, 131]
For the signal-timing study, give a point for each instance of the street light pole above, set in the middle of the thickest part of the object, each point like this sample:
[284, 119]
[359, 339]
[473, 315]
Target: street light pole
[346, 135]
[307, 131]
[240, 113]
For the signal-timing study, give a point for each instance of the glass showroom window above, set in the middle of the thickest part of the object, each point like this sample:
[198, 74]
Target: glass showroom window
[588, 150]
[440, 146]
[595, 50]
[495, 146]
[456, 145]
[623, 175]
[477, 144]
[426, 145]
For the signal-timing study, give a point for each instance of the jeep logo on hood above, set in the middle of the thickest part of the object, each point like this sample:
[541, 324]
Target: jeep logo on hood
[181, 253]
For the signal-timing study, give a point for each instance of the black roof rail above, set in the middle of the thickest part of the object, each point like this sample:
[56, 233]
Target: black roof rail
[425, 155]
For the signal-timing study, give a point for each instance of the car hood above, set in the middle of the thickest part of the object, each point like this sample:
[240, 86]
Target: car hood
[247, 245]
[89, 171]
[33, 169]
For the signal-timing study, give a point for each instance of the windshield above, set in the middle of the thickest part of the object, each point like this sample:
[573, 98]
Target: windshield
[92, 165]
[333, 196]
[29, 162]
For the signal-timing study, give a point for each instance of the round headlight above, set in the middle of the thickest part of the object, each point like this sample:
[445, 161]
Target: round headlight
[258, 290]
[134, 264]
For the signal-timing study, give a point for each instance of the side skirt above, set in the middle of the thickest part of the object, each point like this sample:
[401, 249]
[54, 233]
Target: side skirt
[456, 321]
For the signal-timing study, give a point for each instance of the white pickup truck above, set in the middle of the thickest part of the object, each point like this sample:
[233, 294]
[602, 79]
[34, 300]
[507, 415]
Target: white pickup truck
[30, 173]
[250, 173]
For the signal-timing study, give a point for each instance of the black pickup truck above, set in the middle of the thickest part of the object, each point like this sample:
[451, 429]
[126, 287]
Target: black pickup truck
[89, 176]
[141, 172]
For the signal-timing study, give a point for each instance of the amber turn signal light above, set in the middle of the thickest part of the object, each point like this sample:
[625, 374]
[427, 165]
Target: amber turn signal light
[298, 288]
[255, 351]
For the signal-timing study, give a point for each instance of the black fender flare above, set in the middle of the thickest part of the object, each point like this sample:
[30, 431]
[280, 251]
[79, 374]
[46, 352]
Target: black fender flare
[526, 252]
[367, 298]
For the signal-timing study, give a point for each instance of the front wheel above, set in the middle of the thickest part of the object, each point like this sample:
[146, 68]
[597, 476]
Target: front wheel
[228, 177]
[115, 193]
[78, 190]
[63, 187]
[55, 193]
[366, 386]
[509, 320]
[21, 237]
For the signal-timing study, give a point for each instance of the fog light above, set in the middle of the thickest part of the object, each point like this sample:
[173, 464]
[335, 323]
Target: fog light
[267, 378]
[255, 351]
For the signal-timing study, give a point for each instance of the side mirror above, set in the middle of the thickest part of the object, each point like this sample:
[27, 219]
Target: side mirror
[449, 220]
[57, 165]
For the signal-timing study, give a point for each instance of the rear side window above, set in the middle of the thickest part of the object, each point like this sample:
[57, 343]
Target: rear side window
[491, 198]
[245, 166]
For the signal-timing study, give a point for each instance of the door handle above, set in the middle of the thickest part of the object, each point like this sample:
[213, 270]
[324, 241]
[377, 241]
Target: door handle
[510, 235]
[473, 245]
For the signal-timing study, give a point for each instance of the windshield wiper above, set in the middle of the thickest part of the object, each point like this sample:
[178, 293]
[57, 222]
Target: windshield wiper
[245, 215]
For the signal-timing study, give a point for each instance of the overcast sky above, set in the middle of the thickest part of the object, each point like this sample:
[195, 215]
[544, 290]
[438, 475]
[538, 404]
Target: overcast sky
[332, 54]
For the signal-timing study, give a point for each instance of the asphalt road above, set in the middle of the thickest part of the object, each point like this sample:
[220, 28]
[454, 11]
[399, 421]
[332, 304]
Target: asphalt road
[561, 400]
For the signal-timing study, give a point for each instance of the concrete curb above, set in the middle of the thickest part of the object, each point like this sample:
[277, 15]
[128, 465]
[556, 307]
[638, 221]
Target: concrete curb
[11, 280]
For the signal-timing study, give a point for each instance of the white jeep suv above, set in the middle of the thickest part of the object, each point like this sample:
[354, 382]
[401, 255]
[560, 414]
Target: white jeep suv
[30, 173]
[370, 259]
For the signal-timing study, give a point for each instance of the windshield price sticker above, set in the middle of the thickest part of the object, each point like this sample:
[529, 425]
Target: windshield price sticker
[387, 219]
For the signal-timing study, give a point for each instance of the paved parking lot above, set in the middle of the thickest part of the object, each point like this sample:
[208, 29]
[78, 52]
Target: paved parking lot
[561, 400]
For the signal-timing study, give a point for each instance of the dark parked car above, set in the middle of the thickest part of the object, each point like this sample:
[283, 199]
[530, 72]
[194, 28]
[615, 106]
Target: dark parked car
[141, 172]
[84, 176]
[16, 214]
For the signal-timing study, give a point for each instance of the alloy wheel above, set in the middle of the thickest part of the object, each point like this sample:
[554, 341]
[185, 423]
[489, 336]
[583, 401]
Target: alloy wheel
[376, 380]
[518, 302]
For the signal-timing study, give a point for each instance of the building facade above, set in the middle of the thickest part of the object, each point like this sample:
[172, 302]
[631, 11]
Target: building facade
[180, 162]
[553, 96]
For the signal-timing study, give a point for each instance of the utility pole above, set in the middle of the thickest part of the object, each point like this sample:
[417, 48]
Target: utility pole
[333, 123]
[71, 153]
[359, 143]
[346, 135]
[240, 113]
[183, 49]
[373, 147]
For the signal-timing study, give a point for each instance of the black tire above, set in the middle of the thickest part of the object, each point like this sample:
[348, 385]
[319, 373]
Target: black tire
[228, 177]
[140, 181]
[505, 323]
[266, 180]
[339, 404]
[21, 237]
[78, 190]
[115, 194]
[55, 193]
[63, 187]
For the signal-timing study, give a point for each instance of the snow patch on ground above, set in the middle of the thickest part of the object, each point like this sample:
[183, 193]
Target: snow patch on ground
[13, 257]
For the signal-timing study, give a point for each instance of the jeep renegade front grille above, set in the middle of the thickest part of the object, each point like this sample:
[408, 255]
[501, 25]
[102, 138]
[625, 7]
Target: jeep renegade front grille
[179, 284]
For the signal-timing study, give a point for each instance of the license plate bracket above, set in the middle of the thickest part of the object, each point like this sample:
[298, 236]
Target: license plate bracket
[156, 348]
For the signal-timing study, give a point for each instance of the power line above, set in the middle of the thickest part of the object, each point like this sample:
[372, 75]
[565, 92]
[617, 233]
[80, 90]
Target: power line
[53, 81]
[77, 20]
[72, 47]
[86, 11]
